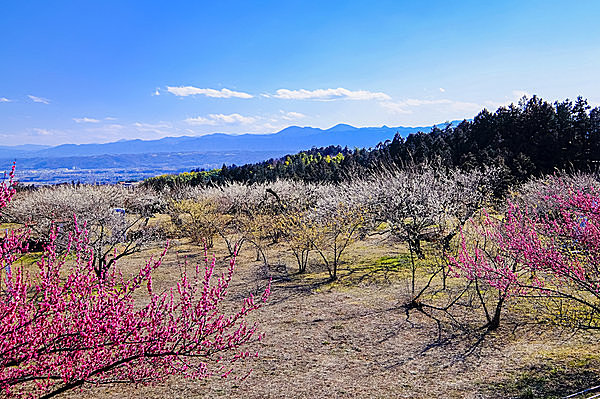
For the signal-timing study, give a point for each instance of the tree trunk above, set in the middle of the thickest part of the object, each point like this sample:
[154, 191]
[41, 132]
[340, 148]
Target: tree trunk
[494, 323]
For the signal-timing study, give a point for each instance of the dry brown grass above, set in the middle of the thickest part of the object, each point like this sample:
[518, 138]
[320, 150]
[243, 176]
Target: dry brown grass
[352, 339]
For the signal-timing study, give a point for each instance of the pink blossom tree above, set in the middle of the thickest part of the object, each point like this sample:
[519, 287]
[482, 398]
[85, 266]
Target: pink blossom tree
[550, 254]
[63, 327]
[485, 260]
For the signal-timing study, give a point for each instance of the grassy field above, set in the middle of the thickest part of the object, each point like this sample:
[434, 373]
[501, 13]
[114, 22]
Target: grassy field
[352, 338]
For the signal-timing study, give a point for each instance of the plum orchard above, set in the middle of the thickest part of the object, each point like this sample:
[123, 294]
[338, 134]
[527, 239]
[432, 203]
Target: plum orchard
[542, 245]
[117, 218]
[62, 326]
[324, 218]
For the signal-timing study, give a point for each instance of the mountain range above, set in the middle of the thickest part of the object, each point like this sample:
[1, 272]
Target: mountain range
[175, 154]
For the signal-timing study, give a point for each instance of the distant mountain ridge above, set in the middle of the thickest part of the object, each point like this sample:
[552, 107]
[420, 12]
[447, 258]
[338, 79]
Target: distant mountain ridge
[20, 150]
[292, 139]
[187, 152]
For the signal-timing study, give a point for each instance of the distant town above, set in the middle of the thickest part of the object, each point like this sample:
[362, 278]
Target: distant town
[87, 176]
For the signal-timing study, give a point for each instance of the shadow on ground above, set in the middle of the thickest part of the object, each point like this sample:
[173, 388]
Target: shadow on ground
[550, 381]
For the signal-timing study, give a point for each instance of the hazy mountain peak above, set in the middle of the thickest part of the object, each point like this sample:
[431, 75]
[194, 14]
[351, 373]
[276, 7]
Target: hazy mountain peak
[341, 127]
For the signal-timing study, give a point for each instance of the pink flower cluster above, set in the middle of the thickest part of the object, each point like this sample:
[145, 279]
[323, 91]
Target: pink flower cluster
[61, 326]
[555, 253]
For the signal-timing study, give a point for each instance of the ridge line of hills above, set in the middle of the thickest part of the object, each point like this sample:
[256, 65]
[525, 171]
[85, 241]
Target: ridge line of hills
[131, 160]
[292, 138]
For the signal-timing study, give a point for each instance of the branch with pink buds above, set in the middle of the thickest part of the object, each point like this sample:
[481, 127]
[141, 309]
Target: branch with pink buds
[61, 326]
[553, 254]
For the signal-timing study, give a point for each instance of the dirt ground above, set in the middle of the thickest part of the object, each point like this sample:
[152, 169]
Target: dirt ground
[352, 339]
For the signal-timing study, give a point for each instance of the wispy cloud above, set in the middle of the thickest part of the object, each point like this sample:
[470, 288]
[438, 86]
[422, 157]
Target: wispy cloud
[110, 131]
[152, 126]
[160, 128]
[36, 99]
[518, 94]
[414, 102]
[234, 118]
[406, 106]
[200, 120]
[328, 94]
[514, 98]
[442, 90]
[290, 116]
[86, 120]
[217, 119]
[184, 91]
[42, 132]
[5, 100]
[395, 107]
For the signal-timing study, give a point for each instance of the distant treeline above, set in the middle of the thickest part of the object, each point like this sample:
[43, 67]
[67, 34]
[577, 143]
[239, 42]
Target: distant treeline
[531, 138]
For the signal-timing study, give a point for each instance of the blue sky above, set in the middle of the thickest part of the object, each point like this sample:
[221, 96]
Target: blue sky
[98, 71]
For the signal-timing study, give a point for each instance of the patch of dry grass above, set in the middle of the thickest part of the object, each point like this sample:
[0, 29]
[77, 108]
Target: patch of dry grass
[352, 338]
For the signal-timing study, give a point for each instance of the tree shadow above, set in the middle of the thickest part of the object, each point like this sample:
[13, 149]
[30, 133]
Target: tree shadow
[549, 381]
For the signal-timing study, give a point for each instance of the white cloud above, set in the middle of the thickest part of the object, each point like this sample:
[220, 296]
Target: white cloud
[397, 108]
[114, 126]
[199, 120]
[152, 126]
[86, 120]
[36, 99]
[216, 119]
[110, 131]
[413, 102]
[453, 108]
[42, 132]
[442, 90]
[328, 94]
[269, 128]
[290, 116]
[234, 118]
[137, 130]
[110, 118]
[157, 129]
[184, 91]
[258, 123]
[4, 100]
[404, 107]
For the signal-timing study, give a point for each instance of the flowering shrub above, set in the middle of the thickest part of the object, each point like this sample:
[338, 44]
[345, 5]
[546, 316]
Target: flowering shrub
[62, 326]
